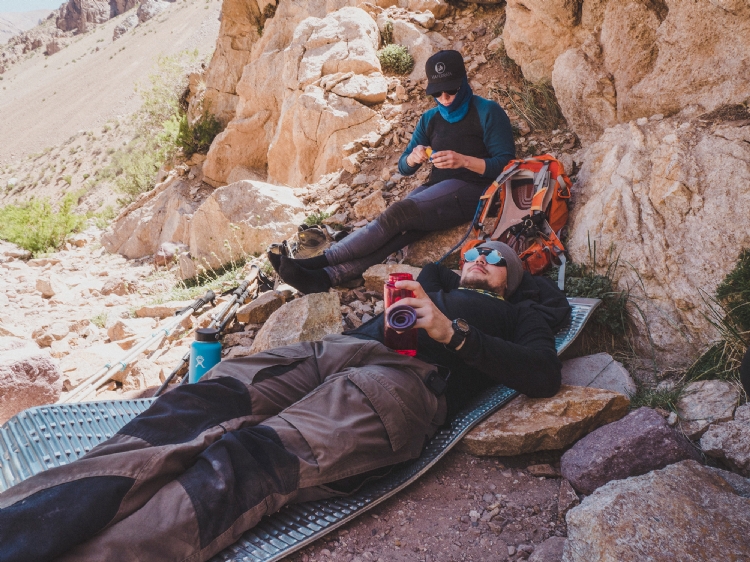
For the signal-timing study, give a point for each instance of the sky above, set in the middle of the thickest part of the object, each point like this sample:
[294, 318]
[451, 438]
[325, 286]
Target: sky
[28, 5]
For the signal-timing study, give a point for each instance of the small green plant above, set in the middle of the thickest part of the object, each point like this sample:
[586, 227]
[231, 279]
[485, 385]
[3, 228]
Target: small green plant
[37, 226]
[104, 217]
[387, 34]
[68, 179]
[665, 399]
[729, 313]
[585, 280]
[396, 59]
[99, 320]
[316, 218]
[199, 137]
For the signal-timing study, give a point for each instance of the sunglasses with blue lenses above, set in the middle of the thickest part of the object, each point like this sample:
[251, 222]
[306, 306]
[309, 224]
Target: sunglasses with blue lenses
[492, 257]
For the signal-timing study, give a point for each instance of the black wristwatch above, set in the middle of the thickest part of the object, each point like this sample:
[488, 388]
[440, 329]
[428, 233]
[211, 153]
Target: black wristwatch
[461, 329]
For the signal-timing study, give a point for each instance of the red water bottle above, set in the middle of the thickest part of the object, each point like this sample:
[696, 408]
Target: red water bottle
[405, 341]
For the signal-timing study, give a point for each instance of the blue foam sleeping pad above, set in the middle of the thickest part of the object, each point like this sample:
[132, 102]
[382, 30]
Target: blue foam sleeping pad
[46, 436]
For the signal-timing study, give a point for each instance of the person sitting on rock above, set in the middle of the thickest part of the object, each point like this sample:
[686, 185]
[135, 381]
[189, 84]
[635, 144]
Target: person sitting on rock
[469, 141]
[206, 461]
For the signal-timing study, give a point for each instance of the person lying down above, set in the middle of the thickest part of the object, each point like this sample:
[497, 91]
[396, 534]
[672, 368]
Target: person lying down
[206, 461]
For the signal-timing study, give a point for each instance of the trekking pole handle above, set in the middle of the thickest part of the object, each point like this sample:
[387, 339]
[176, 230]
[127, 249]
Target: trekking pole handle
[210, 296]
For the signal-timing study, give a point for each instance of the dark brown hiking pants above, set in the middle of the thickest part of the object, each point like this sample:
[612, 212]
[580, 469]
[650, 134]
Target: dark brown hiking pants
[206, 461]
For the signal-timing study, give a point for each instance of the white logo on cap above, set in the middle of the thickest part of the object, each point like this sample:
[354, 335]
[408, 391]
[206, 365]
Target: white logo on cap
[440, 67]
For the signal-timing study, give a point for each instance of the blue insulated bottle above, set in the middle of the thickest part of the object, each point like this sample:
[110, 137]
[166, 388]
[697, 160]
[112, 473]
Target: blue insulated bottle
[205, 352]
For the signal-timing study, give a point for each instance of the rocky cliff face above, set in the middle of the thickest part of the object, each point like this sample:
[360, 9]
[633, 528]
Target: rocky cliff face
[612, 61]
[670, 196]
[296, 95]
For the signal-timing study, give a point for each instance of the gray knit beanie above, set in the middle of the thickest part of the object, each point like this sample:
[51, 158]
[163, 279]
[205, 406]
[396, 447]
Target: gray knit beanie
[513, 264]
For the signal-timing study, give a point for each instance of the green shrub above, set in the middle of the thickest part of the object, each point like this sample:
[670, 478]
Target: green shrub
[157, 128]
[734, 292]
[199, 137]
[729, 313]
[396, 59]
[316, 218]
[584, 281]
[536, 103]
[36, 226]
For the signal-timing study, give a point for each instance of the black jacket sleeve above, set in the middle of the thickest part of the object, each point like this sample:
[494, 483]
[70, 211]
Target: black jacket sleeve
[528, 364]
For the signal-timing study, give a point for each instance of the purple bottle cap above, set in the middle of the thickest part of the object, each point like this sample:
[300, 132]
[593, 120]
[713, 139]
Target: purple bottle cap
[402, 318]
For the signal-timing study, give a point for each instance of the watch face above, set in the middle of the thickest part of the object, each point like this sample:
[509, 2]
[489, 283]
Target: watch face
[462, 325]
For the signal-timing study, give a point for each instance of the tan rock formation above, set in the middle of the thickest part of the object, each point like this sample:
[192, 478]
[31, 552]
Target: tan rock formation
[28, 377]
[301, 97]
[306, 319]
[703, 403]
[661, 516]
[161, 215]
[527, 424]
[81, 14]
[248, 28]
[536, 32]
[656, 191]
[259, 310]
[613, 62]
[242, 219]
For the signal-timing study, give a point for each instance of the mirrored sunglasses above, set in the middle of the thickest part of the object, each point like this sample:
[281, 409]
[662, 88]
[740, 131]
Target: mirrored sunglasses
[492, 257]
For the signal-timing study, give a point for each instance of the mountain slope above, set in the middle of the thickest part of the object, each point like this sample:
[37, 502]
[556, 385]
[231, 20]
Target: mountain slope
[13, 23]
[45, 100]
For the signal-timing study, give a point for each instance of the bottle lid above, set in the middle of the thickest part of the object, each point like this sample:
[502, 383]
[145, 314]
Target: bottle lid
[393, 277]
[207, 334]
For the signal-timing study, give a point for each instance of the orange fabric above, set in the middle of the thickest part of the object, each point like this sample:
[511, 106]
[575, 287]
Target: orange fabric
[539, 250]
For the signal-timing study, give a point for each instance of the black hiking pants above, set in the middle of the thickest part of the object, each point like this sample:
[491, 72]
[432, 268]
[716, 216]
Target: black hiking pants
[206, 461]
[436, 207]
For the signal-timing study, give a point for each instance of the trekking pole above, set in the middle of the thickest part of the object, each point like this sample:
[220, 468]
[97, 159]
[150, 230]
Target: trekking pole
[220, 319]
[93, 382]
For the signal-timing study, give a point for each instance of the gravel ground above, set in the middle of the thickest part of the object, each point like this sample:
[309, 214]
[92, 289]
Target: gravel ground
[465, 508]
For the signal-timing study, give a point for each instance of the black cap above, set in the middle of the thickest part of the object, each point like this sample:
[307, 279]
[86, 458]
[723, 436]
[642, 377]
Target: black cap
[445, 71]
[206, 334]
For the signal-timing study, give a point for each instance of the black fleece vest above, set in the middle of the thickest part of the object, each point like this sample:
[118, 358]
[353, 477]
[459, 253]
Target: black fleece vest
[465, 137]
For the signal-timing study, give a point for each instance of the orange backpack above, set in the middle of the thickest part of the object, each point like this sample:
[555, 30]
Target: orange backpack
[526, 207]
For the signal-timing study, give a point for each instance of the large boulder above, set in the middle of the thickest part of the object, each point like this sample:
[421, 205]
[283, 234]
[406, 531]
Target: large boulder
[703, 403]
[730, 441]
[612, 62]
[683, 512]
[638, 443]
[150, 9]
[658, 191]
[82, 14]
[161, 215]
[234, 221]
[306, 319]
[248, 29]
[527, 425]
[302, 96]
[243, 219]
[598, 371]
[28, 377]
[536, 32]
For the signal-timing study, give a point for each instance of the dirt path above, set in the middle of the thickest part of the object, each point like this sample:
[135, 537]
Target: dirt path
[45, 100]
[431, 521]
